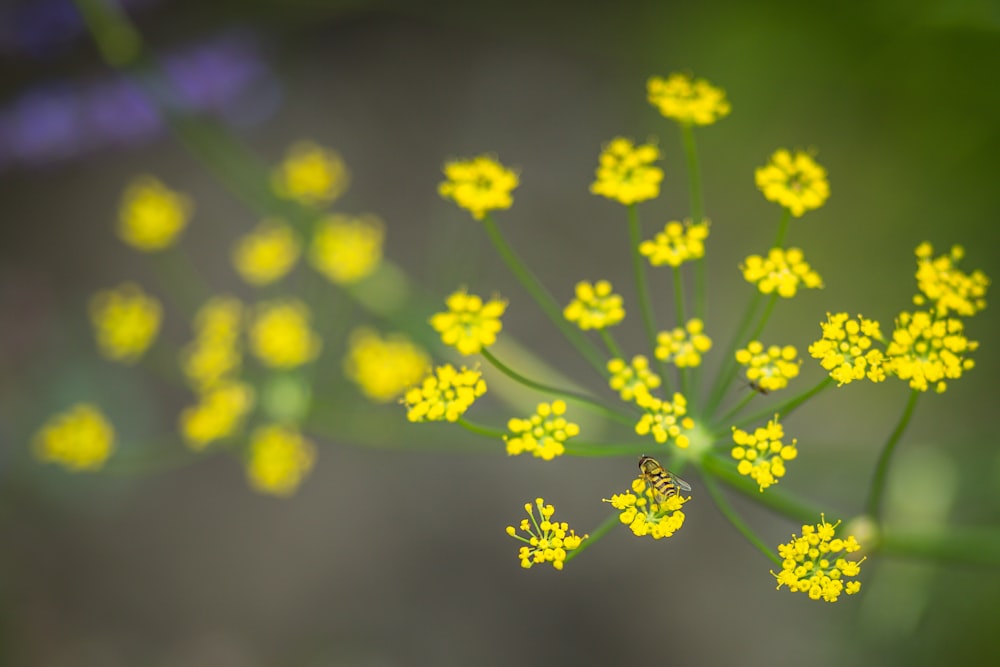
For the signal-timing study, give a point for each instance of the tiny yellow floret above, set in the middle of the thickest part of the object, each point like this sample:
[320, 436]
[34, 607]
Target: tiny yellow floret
[628, 379]
[383, 368]
[816, 563]
[346, 249]
[794, 181]
[126, 321]
[666, 421]
[945, 286]
[280, 458]
[626, 173]
[596, 306]
[769, 368]
[152, 216]
[311, 175]
[280, 335]
[683, 346]
[782, 272]
[479, 185]
[469, 324]
[543, 434]
[444, 394]
[645, 512]
[846, 351]
[676, 244]
[687, 100]
[80, 439]
[545, 540]
[267, 253]
[926, 351]
[762, 454]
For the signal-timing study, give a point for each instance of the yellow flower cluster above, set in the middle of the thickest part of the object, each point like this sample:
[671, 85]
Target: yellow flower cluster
[280, 335]
[947, 287]
[812, 564]
[664, 420]
[267, 253]
[383, 368]
[469, 325]
[543, 434]
[346, 249]
[762, 454]
[925, 351]
[478, 185]
[782, 271]
[595, 306]
[547, 541]
[687, 100]
[795, 182]
[683, 346]
[310, 175]
[126, 322]
[631, 379]
[215, 352]
[80, 439]
[151, 215]
[769, 369]
[626, 173]
[645, 513]
[219, 413]
[280, 458]
[445, 394]
[846, 349]
[676, 244]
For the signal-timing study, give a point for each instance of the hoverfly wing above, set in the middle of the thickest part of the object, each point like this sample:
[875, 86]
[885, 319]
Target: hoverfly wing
[681, 484]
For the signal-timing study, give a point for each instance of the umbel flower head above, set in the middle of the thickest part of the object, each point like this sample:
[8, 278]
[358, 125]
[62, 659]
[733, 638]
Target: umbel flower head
[782, 272]
[625, 172]
[846, 349]
[216, 352]
[816, 563]
[383, 367]
[664, 420]
[794, 181]
[769, 368]
[347, 249]
[126, 321]
[219, 413]
[762, 454]
[80, 439]
[947, 287]
[152, 216]
[683, 346]
[280, 335]
[676, 244]
[543, 434]
[646, 512]
[444, 394]
[470, 324]
[926, 351]
[630, 379]
[280, 458]
[311, 175]
[595, 306]
[545, 541]
[267, 253]
[687, 100]
[478, 185]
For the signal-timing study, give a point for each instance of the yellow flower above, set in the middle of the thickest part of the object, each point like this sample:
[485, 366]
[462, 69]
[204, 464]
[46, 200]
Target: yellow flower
[151, 215]
[813, 563]
[80, 439]
[469, 325]
[626, 173]
[683, 346]
[646, 513]
[947, 287]
[543, 433]
[478, 185]
[595, 306]
[311, 175]
[782, 271]
[444, 394]
[664, 420]
[218, 414]
[793, 181]
[280, 458]
[762, 454]
[926, 351]
[126, 322]
[384, 367]
[769, 369]
[215, 353]
[547, 541]
[280, 335]
[346, 249]
[630, 379]
[267, 253]
[687, 100]
[676, 244]
[846, 349]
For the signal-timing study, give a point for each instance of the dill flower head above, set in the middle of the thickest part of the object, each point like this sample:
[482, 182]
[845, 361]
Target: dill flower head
[687, 100]
[469, 324]
[126, 322]
[628, 379]
[216, 352]
[926, 351]
[280, 458]
[444, 394]
[219, 413]
[280, 335]
[946, 287]
[346, 249]
[267, 253]
[676, 244]
[846, 349]
[771, 368]
[795, 182]
[478, 185]
[664, 420]
[626, 173]
[384, 367]
[816, 563]
[545, 541]
[151, 215]
[646, 512]
[683, 346]
[311, 175]
[80, 439]
[782, 272]
[595, 306]
[543, 433]
[762, 454]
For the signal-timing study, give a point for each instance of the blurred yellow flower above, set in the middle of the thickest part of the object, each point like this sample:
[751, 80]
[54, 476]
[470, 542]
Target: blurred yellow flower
[469, 324]
[626, 173]
[280, 458]
[346, 249]
[267, 253]
[383, 368]
[596, 306]
[478, 185]
[215, 353]
[280, 335]
[80, 439]
[676, 244]
[218, 414]
[782, 272]
[151, 215]
[793, 181]
[687, 100]
[125, 321]
[311, 175]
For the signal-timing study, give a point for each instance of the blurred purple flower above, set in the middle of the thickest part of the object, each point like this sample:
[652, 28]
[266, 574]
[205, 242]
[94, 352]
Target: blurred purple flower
[121, 113]
[44, 125]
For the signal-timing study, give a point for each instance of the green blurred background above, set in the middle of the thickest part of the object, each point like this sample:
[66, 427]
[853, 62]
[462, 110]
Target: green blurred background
[395, 554]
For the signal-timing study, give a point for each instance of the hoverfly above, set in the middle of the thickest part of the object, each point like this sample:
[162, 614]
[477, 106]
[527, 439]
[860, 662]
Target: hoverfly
[664, 482]
[757, 388]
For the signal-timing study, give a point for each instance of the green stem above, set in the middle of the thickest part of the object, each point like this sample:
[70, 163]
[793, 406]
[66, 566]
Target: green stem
[605, 449]
[598, 533]
[728, 369]
[697, 215]
[158, 459]
[545, 300]
[951, 544]
[609, 342]
[786, 408]
[779, 241]
[642, 289]
[774, 498]
[737, 520]
[117, 40]
[874, 504]
[765, 317]
[479, 429]
[735, 410]
[180, 279]
[679, 297]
